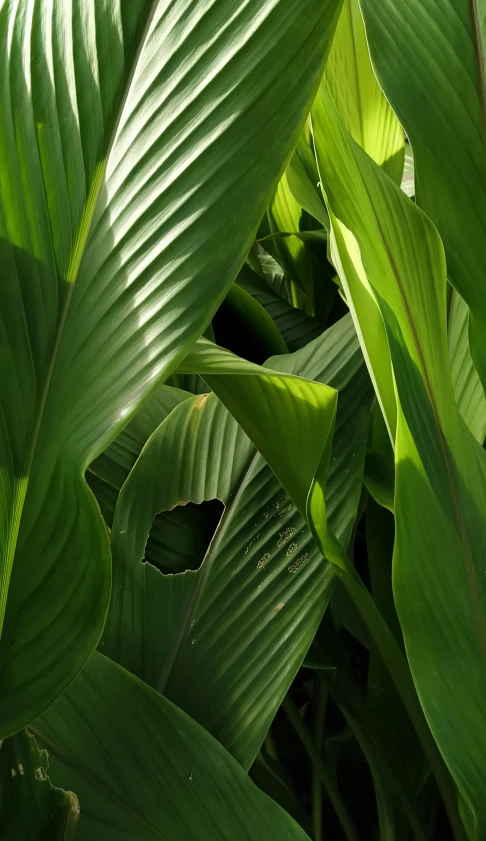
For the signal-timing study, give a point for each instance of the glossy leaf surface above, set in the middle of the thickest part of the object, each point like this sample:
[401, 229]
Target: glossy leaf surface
[429, 56]
[440, 467]
[138, 145]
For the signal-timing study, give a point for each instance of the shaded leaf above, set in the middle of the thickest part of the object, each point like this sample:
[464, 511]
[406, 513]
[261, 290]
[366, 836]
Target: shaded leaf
[31, 809]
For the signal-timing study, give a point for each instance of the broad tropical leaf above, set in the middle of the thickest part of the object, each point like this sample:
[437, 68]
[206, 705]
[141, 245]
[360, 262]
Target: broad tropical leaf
[440, 468]
[262, 579]
[429, 56]
[350, 80]
[138, 145]
[186, 786]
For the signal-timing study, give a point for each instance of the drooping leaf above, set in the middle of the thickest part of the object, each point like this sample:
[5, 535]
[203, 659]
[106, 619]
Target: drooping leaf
[350, 80]
[243, 326]
[31, 809]
[429, 56]
[185, 786]
[297, 328]
[440, 467]
[138, 145]
[253, 607]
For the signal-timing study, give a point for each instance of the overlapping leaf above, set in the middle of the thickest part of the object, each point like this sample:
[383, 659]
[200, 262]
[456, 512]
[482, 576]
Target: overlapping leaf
[381, 236]
[225, 642]
[350, 80]
[138, 144]
[430, 60]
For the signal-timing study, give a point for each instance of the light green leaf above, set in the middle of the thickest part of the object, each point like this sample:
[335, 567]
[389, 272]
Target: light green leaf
[284, 215]
[262, 579]
[440, 467]
[186, 786]
[30, 807]
[138, 145]
[350, 80]
[278, 412]
[303, 180]
[468, 390]
[429, 56]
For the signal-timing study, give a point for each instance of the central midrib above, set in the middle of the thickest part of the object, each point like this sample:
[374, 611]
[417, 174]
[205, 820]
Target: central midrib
[71, 278]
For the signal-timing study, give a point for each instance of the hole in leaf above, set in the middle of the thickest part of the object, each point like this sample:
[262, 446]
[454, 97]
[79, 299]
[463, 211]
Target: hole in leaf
[179, 539]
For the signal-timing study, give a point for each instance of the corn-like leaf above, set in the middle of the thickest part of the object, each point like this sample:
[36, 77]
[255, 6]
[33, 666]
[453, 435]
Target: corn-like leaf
[429, 56]
[439, 569]
[350, 80]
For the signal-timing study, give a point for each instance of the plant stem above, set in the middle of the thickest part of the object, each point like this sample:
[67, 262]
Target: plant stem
[399, 671]
[319, 709]
[325, 776]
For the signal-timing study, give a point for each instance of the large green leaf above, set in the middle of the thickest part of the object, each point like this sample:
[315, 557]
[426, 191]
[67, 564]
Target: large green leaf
[31, 809]
[224, 643]
[144, 771]
[440, 467]
[430, 60]
[350, 80]
[138, 145]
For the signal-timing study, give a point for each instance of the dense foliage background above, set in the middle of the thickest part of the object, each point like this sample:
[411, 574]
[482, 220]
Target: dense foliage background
[242, 416]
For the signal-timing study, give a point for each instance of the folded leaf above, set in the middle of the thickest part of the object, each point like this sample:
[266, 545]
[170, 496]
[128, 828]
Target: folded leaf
[225, 643]
[138, 145]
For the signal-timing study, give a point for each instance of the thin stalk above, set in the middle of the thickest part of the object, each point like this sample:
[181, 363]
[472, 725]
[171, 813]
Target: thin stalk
[325, 776]
[320, 704]
[399, 671]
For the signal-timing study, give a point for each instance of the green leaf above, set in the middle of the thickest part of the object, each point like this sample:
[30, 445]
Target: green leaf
[184, 786]
[243, 326]
[31, 809]
[262, 577]
[297, 328]
[440, 467]
[430, 61]
[303, 181]
[278, 412]
[292, 252]
[138, 146]
[350, 80]
[468, 390]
